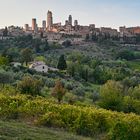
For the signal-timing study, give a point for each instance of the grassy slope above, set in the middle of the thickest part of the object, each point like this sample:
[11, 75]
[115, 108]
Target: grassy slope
[135, 65]
[20, 131]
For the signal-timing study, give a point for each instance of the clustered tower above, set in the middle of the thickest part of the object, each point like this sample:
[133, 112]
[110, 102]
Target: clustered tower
[34, 24]
[26, 27]
[75, 22]
[47, 25]
[49, 20]
[44, 25]
[70, 19]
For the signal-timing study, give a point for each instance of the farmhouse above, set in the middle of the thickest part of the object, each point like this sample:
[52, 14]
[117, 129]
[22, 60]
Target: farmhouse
[40, 66]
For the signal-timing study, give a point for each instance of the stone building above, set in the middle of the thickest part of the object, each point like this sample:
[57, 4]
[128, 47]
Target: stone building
[49, 21]
[34, 25]
[44, 25]
[70, 20]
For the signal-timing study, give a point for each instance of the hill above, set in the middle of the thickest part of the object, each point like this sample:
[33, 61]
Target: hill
[81, 120]
[14, 130]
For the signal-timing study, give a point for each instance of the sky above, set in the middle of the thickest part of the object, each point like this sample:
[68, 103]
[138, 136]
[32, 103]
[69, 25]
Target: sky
[102, 13]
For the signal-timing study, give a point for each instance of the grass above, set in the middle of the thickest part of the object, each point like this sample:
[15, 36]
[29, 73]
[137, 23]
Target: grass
[11, 130]
[135, 65]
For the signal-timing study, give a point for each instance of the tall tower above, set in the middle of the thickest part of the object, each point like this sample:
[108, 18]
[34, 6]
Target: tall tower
[34, 24]
[70, 19]
[66, 22]
[49, 20]
[26, 27]
[75, 22]
[44, 25]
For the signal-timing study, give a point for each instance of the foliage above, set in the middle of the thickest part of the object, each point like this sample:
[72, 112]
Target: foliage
[58, 91]
[126, 54]
[5, 77]
[3, 61]
[26, 55]
[101, 75]
[30, 85]
[40, 58]
[131, 105]
[135, 92]
[111, 96]
[88, 121]
[80, 91]
[62, 65]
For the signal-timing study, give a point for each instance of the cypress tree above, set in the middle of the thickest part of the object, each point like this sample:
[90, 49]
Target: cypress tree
[62, 65]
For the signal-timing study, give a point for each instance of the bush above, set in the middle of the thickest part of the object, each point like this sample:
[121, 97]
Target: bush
[83, 120]
[5, 77]
[126, 54]
[136, 93]
[58, 91]
[49, 83]
[111, 95]
[80, 91]
[69, 85]
[51, 119]
[122, 130]
[30, 85]
[131, 105]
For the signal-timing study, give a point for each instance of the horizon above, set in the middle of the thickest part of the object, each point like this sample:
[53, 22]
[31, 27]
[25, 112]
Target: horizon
[102, 13]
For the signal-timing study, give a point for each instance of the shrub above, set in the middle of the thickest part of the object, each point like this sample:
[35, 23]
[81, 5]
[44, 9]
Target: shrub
[58, 91]
[49, 83]
[83, 120]
[80, 91]
[69, 85]
[126, 54]
[122, 130]
[111, 95]
[51, 119]
[30, 85]
[5, 77]
[136, 92]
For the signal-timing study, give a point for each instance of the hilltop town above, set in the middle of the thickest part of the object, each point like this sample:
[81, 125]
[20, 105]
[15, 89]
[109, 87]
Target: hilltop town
[72, 30]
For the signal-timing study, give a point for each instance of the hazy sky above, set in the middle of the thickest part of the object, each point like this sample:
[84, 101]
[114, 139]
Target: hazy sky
[100, 12]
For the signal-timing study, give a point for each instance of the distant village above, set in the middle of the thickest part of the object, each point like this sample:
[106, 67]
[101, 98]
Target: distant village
[72, 30]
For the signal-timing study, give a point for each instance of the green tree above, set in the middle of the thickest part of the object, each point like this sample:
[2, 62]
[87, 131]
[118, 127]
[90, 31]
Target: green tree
[131, 105]
[12, 54]
[135, 92]
[111, 95]
[126, 54]
[3, 60]
[84, 72]
[40, 58]
[101, 74]
[26, 55]
[71, 69]
[30, 85]
[58, 91]
[62, 65]
[5, 77]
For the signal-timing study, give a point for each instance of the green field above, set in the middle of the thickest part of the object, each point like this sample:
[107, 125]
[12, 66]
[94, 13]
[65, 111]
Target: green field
[135, 65]
[20, 131]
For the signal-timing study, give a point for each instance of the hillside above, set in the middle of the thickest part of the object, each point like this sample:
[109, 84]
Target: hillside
[81, 120]
[94, 92]
[12, 130]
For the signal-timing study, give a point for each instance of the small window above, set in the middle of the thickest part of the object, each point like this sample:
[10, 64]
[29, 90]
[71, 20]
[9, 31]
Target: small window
[43, 67]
